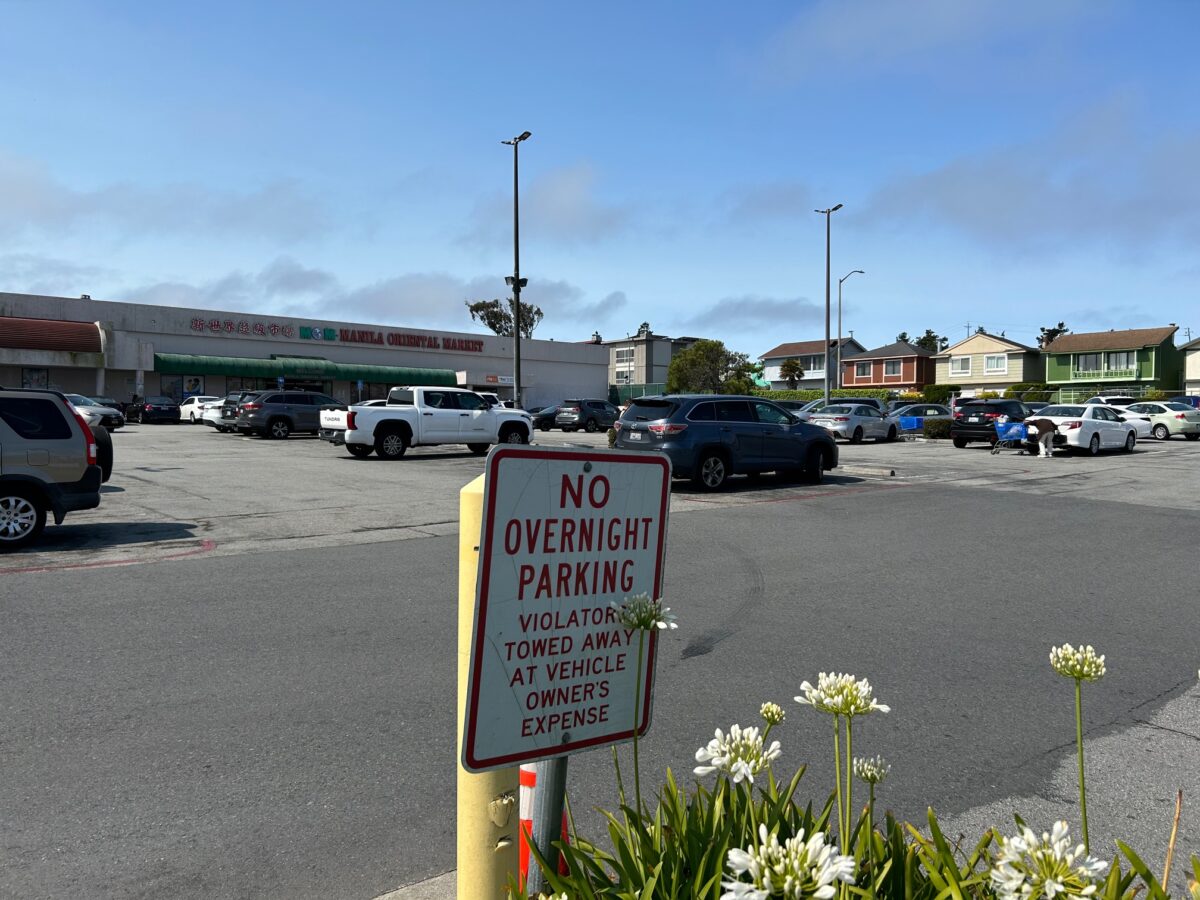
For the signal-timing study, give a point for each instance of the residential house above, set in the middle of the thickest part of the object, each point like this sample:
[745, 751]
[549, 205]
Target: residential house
[1191, 367]
[1115, 362]
[901, 367]
[642, 359]
[988, 362]
[811, 360]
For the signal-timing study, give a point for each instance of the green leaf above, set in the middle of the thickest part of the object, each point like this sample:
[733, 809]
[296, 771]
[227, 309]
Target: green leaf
[1155, 889]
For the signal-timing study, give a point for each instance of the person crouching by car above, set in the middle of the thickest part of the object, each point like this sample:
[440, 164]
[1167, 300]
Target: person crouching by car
[1045, 430]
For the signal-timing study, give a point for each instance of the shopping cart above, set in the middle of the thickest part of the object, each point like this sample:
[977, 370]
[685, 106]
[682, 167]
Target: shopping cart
[1010, 436]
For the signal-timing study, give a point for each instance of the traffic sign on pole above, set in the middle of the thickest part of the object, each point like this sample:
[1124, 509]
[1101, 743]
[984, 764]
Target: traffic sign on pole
[566, 533]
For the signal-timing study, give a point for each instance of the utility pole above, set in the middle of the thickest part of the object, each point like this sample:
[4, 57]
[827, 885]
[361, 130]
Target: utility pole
[516, 282]
[827, 213]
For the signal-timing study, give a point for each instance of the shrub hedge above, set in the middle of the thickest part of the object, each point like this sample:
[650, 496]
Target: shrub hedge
[808, 395]
[940, 393]
[1029, 390]
[937, 428]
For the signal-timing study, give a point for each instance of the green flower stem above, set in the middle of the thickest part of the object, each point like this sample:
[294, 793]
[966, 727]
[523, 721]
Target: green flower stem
[637, 703]
[871, 833]
[849, 778]
[1079, 745]
[837, 768]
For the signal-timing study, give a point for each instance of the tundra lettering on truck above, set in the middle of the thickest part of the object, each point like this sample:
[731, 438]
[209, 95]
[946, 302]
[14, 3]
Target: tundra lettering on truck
[424, 417]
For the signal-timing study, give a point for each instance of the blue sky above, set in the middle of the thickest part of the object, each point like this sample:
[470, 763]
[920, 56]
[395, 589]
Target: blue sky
[1009, 164]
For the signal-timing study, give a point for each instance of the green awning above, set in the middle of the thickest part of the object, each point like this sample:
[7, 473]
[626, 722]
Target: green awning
[299, 367]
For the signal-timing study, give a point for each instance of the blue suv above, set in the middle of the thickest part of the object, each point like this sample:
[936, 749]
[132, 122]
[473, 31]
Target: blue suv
[709, 437]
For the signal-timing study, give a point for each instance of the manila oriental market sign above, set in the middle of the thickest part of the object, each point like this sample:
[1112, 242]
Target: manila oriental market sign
[565, 534]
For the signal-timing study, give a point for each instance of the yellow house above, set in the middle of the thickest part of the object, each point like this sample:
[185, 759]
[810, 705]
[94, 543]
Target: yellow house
[987, 362]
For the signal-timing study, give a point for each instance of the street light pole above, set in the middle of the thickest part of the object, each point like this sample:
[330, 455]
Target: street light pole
[827, 213]
[839, 344]
[516, 282]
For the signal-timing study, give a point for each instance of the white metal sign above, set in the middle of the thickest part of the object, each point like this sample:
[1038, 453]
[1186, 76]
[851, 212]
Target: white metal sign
[565, 534]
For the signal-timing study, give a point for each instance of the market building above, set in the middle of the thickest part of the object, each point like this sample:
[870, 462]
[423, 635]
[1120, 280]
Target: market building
[114, 349]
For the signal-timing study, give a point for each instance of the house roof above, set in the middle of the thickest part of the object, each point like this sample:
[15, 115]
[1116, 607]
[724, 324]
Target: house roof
[1191, 345]
[891, 351]
[1016, 345]
[807, 348]
[1131, 339]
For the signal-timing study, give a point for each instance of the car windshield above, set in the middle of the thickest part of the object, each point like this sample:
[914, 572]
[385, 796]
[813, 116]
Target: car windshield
[1178, 407]
[80, 400]
[836, 410]
[648, 410]
[1061, 411]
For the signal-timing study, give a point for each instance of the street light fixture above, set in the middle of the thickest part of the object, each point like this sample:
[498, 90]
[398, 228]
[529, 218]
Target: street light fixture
[515, 281]
[839, 344]
[827, 213]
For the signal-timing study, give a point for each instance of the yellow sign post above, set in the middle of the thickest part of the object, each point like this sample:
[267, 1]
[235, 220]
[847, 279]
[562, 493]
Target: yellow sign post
[488, 818]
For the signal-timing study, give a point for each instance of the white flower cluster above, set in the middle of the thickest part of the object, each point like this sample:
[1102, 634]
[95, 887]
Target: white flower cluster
[794, 869]
[1028, 867]
[772, 713]
[841, 695]
[642, 613]
[740, 754]
[562, 896]
[1083, 663]
[872, 770]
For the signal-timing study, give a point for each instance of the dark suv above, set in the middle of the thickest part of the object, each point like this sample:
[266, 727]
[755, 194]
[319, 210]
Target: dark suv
[709, 437]
[976, 421]
[590, 415]
[276, 414]
[232, 407]
[49, 463]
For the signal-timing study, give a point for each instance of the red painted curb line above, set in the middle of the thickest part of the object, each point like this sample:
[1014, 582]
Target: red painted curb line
[206, 546]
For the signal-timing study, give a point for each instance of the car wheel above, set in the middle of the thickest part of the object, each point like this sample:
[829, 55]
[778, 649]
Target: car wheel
[544, 426]
[1130, 441]
[891, 434]
[478, 449]
[856, 438]
[1162, 432]
[814, 470]
[960, 443]
[277, 429]
[22, 518]
[391, 445]
[712, 472]
[359, 451]
[1094, 445]
[513, 435]
[104, 453]
[191, 418]
[591, 426]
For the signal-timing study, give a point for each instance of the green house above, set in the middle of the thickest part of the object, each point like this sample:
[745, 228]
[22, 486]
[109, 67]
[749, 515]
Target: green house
[1127, 362]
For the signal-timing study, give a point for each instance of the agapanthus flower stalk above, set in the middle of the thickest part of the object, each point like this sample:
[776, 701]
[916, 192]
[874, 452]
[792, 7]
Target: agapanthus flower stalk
[1080, 665]
[794, 869]
[1027, 866]
[871, 770]
[741, 754]
[643, 613]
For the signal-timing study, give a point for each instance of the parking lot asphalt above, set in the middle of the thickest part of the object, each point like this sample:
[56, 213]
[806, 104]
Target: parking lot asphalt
[235, 678]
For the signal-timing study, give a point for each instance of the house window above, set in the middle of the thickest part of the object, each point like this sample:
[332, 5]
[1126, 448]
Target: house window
[960, 365]
[623, 377]
[862, 370]
[1088, 362]
[623, 356]
[996, 365]
[891, 367]
[1124, 359]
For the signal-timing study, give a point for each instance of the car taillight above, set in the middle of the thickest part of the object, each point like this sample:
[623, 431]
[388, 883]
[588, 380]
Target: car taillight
[617, 425]
[147, 407]
[251, 406]
[1181, 415]
[958, 414]
[841, 418]
[574, 409]
[666, 429]
[88, 437]
[1074, 423]
[350, 417]
[992, 415]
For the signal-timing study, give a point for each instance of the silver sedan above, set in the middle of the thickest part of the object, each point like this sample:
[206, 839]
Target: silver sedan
[853, 423]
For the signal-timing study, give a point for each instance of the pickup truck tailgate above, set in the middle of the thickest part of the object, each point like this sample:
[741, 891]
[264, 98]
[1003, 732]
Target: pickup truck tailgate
[333, 419]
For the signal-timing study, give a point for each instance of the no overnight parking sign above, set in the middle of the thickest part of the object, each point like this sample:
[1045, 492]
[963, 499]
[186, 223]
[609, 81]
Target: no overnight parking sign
[565, 534]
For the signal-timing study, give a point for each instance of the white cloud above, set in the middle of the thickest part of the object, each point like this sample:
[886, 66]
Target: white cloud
[33, 274]
[744, 314]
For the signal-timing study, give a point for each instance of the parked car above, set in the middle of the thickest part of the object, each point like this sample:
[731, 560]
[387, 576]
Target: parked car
[710, 437]
[110, 402]
[50, 463]
[892, 406]
[1090, 428]
[232, 407]
[975, 421]
[855, 422]
[815, 406]
[157, 409]
[794, 405]
[590, 415]
[278, 414]
[925, 412]
[543, 416]
[1190, 399]
[96, 415]
[1035, 405]
[1141, 423]
[191, 408]
[212, 414]
[1168, 418]
[1111, 400]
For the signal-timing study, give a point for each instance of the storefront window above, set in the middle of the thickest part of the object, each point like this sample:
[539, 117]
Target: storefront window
[35, 379]
[171, 386]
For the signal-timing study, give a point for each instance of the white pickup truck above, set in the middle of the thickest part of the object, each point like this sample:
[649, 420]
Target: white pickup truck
[424, 417]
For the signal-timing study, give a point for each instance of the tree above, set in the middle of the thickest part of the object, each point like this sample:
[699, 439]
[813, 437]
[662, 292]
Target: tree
[981, 330]
[791, 371]
[497, 316]
[707, 367]
[1048, 335]
[931, 341]
[902, 337]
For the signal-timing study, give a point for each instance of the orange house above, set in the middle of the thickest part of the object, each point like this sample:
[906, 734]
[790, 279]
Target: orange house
[900, 367]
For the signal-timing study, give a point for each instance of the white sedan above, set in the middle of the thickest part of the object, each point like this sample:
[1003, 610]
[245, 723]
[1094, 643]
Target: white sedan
[1091, 428]
[1142, 424]
[854, 423]
[191, 409]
